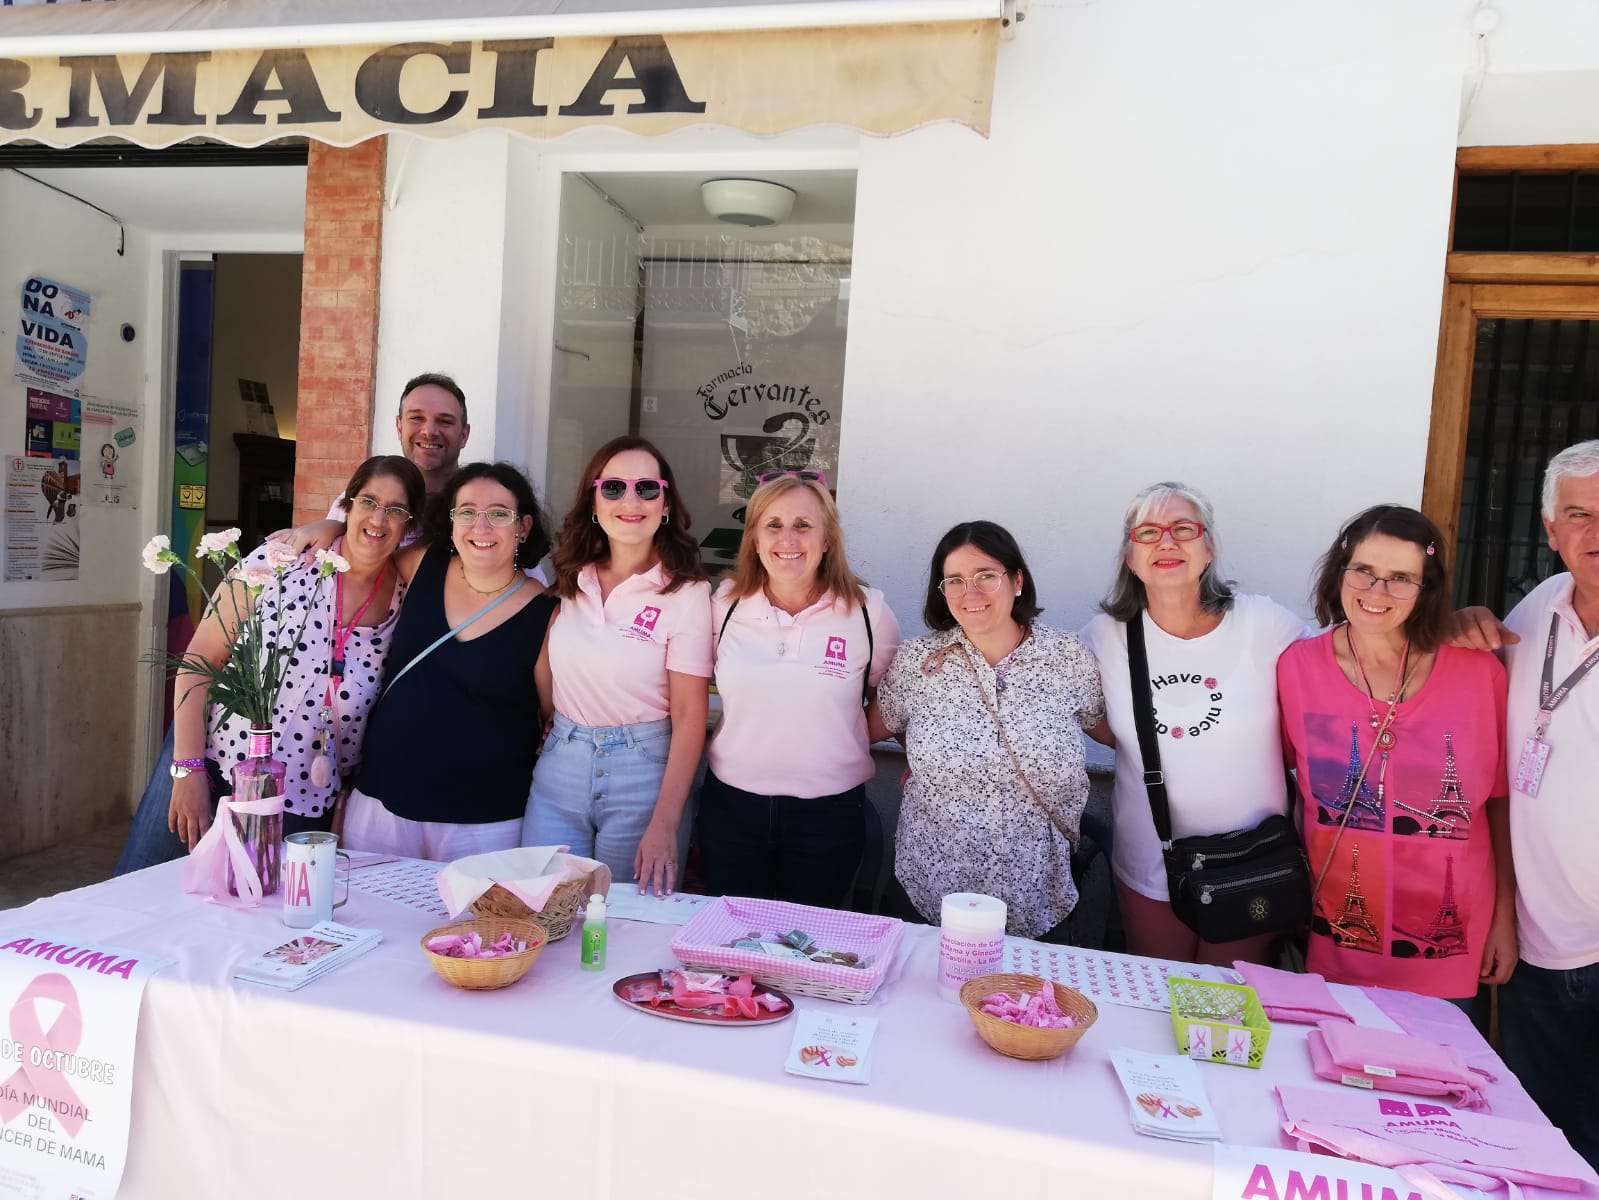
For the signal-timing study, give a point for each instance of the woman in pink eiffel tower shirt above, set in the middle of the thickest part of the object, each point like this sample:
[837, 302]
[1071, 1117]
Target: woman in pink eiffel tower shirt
[1399, 746]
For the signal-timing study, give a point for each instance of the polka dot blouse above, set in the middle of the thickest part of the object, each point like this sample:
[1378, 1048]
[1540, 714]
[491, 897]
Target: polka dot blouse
[298, 716]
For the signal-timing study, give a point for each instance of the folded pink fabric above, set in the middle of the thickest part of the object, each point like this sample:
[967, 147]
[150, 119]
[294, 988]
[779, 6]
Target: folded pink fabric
[1418, 1138]
[1395, 1062]
[1303, 999]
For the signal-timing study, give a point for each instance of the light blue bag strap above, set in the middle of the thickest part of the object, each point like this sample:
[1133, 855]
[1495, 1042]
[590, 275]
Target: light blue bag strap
[451, 632]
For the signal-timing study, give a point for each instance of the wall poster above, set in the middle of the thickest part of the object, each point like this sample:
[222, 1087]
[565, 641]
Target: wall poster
[52, 335]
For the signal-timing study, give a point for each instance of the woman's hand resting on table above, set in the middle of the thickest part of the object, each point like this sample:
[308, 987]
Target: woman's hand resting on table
[655, 862]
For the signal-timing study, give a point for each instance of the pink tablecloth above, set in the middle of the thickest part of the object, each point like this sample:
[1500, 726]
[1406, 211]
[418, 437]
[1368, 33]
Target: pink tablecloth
[382, 1080]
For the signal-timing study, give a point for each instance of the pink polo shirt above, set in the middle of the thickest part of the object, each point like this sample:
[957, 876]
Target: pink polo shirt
[609, 659]
[792, 722]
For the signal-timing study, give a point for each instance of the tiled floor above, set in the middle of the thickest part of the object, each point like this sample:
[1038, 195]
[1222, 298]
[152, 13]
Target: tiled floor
[88, 860]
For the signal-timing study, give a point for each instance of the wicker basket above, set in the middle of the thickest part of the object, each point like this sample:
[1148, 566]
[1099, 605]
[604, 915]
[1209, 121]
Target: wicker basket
[703, 945]
[559, 910]
[1024, 1041]
[486, 974]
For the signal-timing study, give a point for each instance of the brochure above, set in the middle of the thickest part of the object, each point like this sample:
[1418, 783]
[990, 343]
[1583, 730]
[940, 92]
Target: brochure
[306, 956]
[1166, 1097]
[835, 1046]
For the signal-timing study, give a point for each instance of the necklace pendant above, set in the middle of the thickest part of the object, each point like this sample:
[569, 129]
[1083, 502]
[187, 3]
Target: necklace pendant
[1386, 739]
[1375, 720]
[782, 649]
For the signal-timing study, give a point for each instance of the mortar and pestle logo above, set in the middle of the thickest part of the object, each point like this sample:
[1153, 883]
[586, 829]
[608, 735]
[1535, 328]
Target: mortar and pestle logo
[752, 454]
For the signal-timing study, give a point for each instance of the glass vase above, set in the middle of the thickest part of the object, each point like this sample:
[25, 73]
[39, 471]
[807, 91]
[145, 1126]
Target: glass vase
[259, 778]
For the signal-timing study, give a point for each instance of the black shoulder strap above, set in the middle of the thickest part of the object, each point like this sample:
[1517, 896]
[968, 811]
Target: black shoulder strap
[1144, 723]
[725, 620]
[871, 651]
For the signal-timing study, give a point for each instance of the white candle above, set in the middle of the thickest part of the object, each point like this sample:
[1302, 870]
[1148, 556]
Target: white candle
[971, 939]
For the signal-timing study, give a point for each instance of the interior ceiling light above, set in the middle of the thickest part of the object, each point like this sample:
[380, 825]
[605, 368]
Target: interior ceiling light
[747, 201]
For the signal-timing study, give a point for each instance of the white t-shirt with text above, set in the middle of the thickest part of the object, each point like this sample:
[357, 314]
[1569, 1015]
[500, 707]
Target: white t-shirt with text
[1217, 721]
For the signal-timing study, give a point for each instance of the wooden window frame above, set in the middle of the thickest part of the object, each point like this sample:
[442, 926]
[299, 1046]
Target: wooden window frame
[1490, 284]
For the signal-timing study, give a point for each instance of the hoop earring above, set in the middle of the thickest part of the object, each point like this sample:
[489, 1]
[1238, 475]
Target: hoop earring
[664, 515]
[595, 517]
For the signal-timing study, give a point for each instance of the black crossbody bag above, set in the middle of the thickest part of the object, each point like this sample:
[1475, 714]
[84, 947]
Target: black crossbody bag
[1223, 886]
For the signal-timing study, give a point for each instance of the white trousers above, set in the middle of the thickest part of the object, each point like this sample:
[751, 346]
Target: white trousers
[371, 827]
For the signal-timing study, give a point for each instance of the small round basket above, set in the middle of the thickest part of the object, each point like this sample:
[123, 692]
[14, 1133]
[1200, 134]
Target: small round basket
[486, 974]
[1023, 1041]
[559, 910]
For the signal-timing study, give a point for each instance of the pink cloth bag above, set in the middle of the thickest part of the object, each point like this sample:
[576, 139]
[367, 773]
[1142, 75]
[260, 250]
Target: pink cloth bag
[1428, 1142]
[1395, 1062]
[1300, 999]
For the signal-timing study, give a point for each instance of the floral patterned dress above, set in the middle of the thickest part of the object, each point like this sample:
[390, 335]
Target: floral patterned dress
[968, 823]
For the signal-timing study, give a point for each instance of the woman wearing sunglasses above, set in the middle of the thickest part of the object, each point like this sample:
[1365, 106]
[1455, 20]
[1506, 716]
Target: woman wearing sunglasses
[629, 657]
[1399, 743]
[1212, 655]
[989, 707]
[800, 644]
[448, 757]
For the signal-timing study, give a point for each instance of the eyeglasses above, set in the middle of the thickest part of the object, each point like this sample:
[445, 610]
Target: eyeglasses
[614, 488]
[372, 508]
[497, 517]
[808, 475]
[986, 582]
[1150, 533]
[1363, 580]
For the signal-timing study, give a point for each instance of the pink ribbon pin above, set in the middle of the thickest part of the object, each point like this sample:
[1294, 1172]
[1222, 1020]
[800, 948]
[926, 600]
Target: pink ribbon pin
[64, 1038]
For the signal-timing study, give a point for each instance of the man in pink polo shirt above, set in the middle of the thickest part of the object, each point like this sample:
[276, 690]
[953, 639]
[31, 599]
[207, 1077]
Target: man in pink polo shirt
[1550, 1015]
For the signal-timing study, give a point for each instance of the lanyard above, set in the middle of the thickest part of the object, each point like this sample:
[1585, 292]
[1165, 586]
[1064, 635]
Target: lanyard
[1549, 696]
[341, 633]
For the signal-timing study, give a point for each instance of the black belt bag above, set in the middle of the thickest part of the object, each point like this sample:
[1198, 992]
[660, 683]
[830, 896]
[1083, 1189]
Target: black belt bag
[1227, 886]
[1223, 886]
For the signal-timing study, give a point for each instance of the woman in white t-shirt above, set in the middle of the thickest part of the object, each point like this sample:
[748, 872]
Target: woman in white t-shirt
[1213, 676]
[801, 642]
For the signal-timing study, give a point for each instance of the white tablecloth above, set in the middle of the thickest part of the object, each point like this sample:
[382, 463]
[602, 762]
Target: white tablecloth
[381, 1080]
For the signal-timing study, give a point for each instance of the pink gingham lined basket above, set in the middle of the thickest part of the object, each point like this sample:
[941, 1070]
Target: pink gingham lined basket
[703, 944]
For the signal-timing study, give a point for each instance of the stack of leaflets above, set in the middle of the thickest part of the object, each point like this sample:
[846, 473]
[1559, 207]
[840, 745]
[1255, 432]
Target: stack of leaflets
[835, 1046]
[1166, 1097]
[307, 956]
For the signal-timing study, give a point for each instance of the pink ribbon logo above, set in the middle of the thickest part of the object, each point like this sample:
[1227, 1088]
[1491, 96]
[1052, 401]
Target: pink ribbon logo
[64, 1038]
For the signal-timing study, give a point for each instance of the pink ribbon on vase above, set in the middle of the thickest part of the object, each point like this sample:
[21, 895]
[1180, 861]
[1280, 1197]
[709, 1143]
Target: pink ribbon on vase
[64, 1037]
[205, 870]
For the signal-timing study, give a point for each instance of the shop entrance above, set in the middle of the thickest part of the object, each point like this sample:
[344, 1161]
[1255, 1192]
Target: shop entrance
[722, 342]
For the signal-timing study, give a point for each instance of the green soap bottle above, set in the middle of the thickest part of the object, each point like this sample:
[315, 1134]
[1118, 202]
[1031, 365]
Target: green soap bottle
[594, 933]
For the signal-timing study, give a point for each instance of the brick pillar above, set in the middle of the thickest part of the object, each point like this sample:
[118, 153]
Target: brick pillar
[338, 319]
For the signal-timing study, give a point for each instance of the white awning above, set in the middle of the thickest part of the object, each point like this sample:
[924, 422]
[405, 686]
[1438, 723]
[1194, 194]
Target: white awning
[248, 71]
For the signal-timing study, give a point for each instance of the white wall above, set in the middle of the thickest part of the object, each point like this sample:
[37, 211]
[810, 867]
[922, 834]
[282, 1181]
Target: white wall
[42, 232]
[1534, 79]
[440, 286]
[1203, 241]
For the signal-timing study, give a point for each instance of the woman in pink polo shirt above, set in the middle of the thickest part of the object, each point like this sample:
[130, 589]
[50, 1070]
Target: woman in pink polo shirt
[801, 643]
[629, 655]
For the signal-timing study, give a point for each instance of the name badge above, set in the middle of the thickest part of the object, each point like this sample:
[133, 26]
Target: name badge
[1529, 767]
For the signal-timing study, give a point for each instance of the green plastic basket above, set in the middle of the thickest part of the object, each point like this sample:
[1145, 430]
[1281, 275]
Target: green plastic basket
[1230, 1012]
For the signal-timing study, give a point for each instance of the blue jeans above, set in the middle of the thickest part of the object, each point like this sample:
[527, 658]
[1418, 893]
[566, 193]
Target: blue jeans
[149, 840]
[594, 789]
[1549, 1023]
[805, 851]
